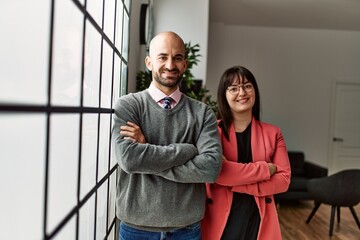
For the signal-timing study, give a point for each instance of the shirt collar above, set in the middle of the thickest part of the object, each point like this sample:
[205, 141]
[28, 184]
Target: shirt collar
[158, 95]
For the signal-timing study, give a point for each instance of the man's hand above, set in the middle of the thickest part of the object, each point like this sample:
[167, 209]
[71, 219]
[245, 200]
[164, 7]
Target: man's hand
[132, 132]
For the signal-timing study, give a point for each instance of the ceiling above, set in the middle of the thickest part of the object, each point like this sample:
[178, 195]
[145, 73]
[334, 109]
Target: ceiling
[314, 14]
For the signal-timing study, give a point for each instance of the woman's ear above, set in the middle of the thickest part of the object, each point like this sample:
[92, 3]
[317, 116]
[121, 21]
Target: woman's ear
[148, 63]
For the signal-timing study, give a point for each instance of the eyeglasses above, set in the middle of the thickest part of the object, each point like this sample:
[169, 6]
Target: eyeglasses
[235, 89]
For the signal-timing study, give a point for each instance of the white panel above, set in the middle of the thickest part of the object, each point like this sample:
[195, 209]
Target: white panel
[67, 54]
[112, 197]
[88, 153]
[101, 211]
[87, 219]
[24, 53]
[112, 233]
[123, 87]
[95, 8]
[104, 145]
[113, 160]
[63, 166]
[127, 4]
[22, 154]
[125, 49]
[92, 66]
[106, 76]
[117, 78]
[109, 19]
[119, 25]
[68, 232]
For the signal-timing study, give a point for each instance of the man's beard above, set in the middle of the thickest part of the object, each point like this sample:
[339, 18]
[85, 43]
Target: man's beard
[165, 83]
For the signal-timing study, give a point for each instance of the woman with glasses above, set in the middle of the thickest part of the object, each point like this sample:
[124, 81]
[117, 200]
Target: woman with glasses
[255, 165]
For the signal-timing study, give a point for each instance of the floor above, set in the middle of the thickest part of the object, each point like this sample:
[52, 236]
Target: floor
[293, 215]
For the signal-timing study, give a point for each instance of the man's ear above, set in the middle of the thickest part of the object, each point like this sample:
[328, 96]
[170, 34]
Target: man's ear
[148, 63]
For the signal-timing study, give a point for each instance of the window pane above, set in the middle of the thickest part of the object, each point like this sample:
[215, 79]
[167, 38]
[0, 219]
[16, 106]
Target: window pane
[68, 232]
[104, 145]
[119, 25]
[87, 219]
[88, 153]
[117, 78]
[113, 160]
[95, 8]
[63, 166]
[101, 211]
[126, 37]
[123, 79]
[112, 197]
[30, 56]
[22, 164]
[92, 66]
[66, 75]
[109, 19]
[127, 4]
[106, 76]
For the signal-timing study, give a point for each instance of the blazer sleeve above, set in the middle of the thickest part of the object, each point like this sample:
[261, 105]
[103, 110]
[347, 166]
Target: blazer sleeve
[279, 182]
[234, 173]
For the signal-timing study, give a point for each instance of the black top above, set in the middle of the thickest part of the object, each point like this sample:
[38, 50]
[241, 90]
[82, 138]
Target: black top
[244, 219]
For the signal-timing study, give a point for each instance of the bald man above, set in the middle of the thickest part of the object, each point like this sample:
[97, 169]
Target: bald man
[167, 147]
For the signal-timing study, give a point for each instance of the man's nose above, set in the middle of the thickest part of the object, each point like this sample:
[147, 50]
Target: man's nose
[170, 64]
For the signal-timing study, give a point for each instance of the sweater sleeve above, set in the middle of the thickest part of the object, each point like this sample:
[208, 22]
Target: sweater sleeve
[144, 158]
[279, 182]
[206, 165]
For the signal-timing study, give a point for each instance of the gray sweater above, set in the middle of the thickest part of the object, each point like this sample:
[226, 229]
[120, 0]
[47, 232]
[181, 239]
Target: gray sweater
[161, 183]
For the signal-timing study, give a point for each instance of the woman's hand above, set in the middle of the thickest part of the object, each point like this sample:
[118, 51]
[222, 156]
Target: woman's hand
[272, 168]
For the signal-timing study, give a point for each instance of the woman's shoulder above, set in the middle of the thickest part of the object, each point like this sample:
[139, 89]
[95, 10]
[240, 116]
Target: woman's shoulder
[267, 126]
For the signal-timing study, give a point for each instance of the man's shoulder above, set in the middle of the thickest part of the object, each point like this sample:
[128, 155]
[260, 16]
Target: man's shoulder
[133, 96]
[195, 103]
[131, 100]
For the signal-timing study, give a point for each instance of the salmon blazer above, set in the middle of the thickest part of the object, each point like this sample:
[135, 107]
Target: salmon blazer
[267, 145]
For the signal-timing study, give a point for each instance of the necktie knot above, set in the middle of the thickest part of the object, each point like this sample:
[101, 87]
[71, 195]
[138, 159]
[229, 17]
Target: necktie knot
[167, 102]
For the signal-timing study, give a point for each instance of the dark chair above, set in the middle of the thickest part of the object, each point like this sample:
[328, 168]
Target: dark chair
[301, 172]
[338, 190]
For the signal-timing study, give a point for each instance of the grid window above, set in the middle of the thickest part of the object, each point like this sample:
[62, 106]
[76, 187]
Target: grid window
[63, 65]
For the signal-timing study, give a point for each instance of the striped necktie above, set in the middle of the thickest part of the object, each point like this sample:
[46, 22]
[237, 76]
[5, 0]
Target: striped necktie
[167, 102]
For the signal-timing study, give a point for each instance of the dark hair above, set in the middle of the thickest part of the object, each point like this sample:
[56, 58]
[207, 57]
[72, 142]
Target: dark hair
[226, 80]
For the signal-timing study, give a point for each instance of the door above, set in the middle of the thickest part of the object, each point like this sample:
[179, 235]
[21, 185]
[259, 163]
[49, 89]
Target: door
[346, 130]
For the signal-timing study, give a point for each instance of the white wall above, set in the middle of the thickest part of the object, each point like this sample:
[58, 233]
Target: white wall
[295, 69]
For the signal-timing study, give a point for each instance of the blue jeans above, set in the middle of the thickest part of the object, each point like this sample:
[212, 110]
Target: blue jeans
[191, 232]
